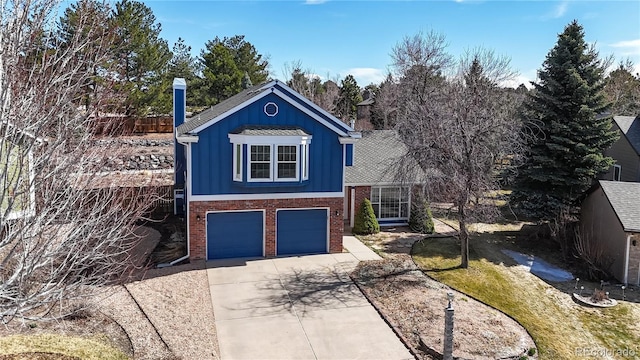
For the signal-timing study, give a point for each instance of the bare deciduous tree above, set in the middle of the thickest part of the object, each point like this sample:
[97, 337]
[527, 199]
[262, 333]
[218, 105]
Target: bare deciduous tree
[65, 227]
[457, 125]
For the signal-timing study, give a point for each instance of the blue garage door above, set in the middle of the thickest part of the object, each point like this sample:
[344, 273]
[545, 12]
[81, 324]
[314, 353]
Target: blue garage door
[302, 231]
[235, 234]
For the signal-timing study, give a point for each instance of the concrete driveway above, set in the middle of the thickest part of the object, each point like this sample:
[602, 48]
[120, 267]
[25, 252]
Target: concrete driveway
[302, 307]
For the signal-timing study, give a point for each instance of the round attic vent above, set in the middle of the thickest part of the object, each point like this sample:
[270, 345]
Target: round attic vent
[271, 109]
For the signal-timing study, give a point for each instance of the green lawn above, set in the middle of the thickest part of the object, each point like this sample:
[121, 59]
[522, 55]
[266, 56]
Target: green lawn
[86, 349]
[560, 327]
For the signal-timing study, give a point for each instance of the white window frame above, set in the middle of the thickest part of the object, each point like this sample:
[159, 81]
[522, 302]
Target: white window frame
[619, 168]
[249, 162]
[305, 161]
[277, 162]
[400, 202]
[302, 155]
[237, 162]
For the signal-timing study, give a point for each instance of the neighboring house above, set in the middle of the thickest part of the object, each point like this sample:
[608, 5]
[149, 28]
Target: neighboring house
[363, 115]
[374, 176]
[261, 174]
[18, 199]
[625, 151]
[610, 216]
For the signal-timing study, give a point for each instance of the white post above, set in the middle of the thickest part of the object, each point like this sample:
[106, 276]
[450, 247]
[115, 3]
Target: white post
[447, 353]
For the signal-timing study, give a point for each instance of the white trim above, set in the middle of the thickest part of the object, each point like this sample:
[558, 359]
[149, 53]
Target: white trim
[185, 139]
[265, 109]
[230, 111]
[189, 174]
[348, 140]
[616, 166]
[206, 231]
[310, 113]
[268, 196]
[237, 163]
[328, 209]
[316, 107]
[384, 184]
[249, 162]
[179, 83]
[270, 139]
[305, 162]
[626, 260]
[277, 162]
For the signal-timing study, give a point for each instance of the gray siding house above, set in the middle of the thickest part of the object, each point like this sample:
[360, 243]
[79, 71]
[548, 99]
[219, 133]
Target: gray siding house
[610, 217]
[625, 151]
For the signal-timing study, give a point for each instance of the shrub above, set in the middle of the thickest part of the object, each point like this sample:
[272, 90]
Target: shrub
[420, 219]
[365, 222]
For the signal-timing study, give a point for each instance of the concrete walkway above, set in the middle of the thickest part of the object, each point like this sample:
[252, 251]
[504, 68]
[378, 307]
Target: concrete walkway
[303, 307]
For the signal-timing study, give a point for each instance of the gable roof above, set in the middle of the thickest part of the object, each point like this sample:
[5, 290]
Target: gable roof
[239, 101]
[269, 130]
[374, 157]
[624, 197]
[630, 127]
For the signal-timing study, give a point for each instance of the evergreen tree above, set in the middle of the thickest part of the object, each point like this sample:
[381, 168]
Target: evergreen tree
[566, 154]
[365, 222]
[225, 62]
[181, 65]
[348, 99]
[420, 218]
[141, 56]
[80, 22]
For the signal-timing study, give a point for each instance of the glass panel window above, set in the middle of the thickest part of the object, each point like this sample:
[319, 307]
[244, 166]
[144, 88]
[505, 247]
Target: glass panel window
[287, 162]
[390, 202]
[237, 165]
[260, 161]
[617, 170]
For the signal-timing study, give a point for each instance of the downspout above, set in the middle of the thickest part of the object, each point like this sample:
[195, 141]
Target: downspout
[626, 259]
[181, 139]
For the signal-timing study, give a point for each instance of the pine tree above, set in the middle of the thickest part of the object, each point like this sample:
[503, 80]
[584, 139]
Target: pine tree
[571, 133]
[420, 219]
[141, 55]
[350, 96]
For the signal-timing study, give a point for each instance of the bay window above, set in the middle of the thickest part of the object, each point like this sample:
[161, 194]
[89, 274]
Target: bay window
[273, 154]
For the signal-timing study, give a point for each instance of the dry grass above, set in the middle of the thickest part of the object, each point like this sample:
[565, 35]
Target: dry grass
[83, 348]
[559, 326]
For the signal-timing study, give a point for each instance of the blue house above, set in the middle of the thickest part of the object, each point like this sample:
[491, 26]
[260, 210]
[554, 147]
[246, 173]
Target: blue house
[261, 174]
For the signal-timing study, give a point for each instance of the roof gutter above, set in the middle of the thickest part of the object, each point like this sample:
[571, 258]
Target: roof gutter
[185, 139]
[352, 138]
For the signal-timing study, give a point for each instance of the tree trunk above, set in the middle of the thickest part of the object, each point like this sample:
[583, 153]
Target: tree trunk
[464, 237]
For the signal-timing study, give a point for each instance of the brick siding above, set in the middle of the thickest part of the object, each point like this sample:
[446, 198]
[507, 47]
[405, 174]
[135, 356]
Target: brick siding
[198, 232]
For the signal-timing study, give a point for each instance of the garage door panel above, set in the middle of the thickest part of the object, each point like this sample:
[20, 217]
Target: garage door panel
[302, 231]
[235, 234]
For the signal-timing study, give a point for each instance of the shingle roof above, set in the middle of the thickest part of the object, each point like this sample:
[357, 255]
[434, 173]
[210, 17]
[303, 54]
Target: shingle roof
[630, 127]
[267, 130]
[219, 109]
[368, 101]
[374, 157]
[624, 197]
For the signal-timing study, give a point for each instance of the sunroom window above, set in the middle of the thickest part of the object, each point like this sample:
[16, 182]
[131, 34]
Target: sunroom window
[390, 202]
[274, 153]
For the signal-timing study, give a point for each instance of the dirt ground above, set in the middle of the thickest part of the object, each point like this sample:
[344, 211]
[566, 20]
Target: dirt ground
[414, 304]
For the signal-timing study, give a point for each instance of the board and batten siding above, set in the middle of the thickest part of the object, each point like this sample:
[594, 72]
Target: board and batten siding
[212, 155]
[599, 221]
[625, 155]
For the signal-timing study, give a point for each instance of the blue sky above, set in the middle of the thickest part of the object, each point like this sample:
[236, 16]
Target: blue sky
[336, 38]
